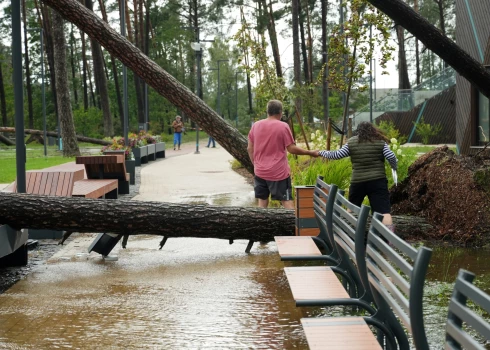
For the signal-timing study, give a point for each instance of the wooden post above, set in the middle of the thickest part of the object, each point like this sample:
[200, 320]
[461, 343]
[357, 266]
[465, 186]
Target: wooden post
[306, 224]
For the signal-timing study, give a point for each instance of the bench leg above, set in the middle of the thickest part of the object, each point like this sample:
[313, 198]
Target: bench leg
[249, 246]
[112, 194]
[123, 187]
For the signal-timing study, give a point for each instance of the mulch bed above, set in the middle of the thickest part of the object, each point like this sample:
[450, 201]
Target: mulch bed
[451, 192]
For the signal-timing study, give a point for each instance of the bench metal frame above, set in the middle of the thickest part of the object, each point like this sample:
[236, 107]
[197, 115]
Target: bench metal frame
[459, 313]
[398, 295]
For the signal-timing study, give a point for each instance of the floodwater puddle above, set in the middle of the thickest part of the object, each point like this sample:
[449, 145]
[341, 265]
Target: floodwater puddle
[192, 294]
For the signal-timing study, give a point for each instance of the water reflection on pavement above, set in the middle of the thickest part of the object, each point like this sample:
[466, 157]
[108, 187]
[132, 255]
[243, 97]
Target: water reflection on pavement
[193, 294]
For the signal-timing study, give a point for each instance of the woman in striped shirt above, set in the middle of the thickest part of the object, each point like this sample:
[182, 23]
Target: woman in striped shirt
[368, 150]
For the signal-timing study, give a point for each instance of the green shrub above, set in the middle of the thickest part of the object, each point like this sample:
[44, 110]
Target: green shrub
[426, 131]
[388, 128]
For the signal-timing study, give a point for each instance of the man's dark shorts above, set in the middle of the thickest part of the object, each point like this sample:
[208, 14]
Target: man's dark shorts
[377, 192]
[279, 190]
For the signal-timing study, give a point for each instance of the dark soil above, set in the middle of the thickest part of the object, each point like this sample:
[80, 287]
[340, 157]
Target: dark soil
[246, 174]
[451, 192]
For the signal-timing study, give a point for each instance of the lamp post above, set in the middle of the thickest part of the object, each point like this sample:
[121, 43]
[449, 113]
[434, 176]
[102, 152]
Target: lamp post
[125, 78]
[20, 149]
[236, 98]
[218, 107]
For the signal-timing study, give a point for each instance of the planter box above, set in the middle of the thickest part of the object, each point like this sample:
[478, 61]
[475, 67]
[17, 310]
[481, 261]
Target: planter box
[151, 152]
[160, 149]
[13, 247]
[131, 169]
[140, 155]
[306, 224]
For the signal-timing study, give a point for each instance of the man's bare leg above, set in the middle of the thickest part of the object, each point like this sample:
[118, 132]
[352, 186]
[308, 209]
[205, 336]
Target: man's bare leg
[288, 204]
[263, 203]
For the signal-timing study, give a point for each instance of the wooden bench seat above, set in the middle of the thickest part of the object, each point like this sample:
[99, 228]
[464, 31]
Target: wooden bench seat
[295, 248]
[325, 281]
[94, 188]
[107, 167]
[394, 273]
[343, 333]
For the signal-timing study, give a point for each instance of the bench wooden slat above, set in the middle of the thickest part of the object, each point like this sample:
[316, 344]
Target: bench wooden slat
[49, 183]
[93, 188]
[296, 245]
[314, 283]
[342, 333]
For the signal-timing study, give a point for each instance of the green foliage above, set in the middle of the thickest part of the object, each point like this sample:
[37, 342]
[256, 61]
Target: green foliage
[406, 156]
[8, 166]
[388, 128]
[305, 170]
[426, 131]
[89, 122]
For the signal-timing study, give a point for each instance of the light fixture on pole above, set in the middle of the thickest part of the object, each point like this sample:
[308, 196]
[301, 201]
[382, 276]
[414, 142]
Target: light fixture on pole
[218, 107]
[236, 97]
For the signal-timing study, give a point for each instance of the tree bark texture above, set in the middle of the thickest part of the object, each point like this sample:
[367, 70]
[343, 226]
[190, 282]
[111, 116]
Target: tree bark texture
[166, 85]
[101, 82]
[3, 102]
[133, 217]
[30, 111]
[55, 134]
[70, 146]
[6, 141]
[437, 42]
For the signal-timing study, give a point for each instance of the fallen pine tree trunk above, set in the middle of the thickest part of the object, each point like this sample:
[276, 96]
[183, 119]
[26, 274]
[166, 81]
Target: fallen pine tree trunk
[162, 219]
[6, 141]
[55, 134]
[133, 217]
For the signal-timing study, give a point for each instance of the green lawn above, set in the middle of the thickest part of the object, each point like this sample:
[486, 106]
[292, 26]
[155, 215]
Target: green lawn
[8, 165]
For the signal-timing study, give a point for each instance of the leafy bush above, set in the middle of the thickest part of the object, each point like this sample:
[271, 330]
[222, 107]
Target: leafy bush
[388, 128]
[426, 131]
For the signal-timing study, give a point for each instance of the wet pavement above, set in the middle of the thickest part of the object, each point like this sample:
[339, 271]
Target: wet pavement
[192, 294]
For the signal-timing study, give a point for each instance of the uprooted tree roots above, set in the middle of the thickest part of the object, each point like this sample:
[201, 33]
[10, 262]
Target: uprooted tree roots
[451, 192]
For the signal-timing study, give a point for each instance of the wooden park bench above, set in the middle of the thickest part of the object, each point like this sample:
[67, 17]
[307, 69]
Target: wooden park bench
[296, 248]
[461, 317]
[394, 272]
[107, 167]
[319, 285]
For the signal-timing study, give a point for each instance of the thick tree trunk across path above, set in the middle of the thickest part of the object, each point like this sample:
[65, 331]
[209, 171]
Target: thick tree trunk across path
[134, 217]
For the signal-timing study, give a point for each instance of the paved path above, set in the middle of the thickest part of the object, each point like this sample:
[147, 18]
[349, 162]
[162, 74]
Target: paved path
[182, 177]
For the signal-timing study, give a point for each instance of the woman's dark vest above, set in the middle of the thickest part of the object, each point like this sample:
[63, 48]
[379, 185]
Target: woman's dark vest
[368, 161]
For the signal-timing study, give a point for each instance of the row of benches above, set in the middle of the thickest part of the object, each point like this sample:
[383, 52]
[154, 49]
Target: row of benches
[377, 272]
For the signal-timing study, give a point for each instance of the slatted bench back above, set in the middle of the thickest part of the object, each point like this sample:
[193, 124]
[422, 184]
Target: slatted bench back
[347, 220]
[461, 318]
[50, 183]
[396, 275]
[104, 166]
[323, 199]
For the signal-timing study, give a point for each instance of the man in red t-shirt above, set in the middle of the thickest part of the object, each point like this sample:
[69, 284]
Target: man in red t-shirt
[268, 141]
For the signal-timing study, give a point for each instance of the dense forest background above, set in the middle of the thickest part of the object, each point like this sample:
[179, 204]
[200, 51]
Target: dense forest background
[247, 40]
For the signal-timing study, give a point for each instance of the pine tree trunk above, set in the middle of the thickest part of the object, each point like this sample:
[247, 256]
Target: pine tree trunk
[70, 145]
[3, 102]
[437, 42]
[134, 217]
[162, 82]
[101, 82]
[54, 134]
[30, 111]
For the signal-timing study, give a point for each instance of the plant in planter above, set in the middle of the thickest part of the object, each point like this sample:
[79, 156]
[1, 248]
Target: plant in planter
[117, 145]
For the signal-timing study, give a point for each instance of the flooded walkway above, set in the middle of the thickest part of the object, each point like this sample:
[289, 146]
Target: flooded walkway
[192, 294]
